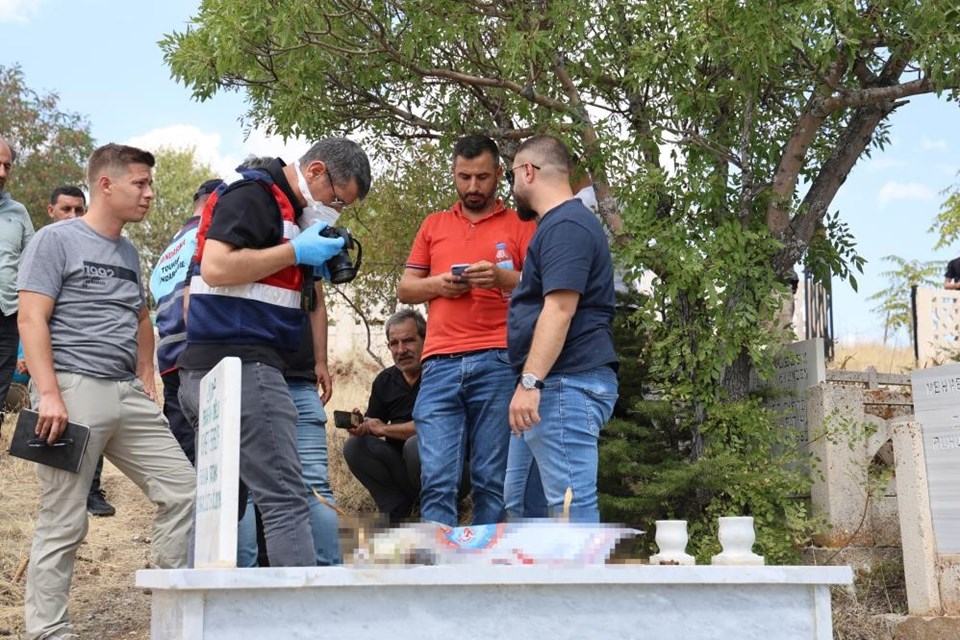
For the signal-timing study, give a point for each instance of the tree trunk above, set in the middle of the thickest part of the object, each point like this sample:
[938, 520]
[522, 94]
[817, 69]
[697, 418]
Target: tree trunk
[736, 378]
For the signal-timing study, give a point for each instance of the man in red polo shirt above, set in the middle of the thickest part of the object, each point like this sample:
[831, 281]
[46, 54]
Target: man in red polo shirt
[467, 380]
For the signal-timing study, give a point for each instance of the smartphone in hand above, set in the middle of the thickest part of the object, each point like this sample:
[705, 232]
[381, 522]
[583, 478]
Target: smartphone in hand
[345, 419]
[458, 269]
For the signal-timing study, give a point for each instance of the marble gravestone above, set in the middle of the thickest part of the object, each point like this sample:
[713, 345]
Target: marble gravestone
[218, 467]
[515, 602]
[800, 368]
[936, 405]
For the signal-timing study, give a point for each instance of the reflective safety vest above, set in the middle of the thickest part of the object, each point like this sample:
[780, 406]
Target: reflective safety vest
[266, 312]
[167, 281]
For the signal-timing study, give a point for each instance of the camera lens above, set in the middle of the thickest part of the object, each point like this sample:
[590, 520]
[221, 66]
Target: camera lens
[340, 266]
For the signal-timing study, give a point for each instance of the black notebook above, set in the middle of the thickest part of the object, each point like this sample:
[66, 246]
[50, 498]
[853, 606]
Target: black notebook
[66, 453]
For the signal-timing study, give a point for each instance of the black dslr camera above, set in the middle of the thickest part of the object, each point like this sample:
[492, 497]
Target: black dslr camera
[341, 267]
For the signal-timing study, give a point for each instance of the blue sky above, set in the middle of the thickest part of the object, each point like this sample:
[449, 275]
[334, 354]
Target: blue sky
[891, 199]
[101, 57]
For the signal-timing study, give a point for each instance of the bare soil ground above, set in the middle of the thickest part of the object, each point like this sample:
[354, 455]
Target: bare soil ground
[104, 603]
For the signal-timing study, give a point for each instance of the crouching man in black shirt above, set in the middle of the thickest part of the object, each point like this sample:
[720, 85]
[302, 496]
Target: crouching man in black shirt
[382, 452]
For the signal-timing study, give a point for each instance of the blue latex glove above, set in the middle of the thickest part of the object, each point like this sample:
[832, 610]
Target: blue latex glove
[312, 249]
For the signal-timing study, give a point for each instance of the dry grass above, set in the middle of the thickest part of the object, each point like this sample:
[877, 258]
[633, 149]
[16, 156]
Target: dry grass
[351, 388]
[854, 619]
[886, 359]
[864, 610]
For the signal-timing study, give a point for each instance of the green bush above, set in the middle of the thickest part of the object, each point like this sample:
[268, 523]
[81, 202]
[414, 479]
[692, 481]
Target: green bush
[751, 466]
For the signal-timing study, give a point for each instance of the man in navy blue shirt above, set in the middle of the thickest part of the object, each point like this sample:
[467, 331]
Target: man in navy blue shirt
[559, 335]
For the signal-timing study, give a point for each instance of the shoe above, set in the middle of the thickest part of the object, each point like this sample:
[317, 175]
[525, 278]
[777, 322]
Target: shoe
[62, 636]
[97, 504]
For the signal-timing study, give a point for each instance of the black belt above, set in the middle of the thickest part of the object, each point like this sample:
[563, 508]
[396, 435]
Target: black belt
[460, 354]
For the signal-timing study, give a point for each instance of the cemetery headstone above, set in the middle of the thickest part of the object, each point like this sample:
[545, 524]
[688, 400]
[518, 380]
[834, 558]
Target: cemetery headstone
[801, 366]
[218, 466]
[936, 405]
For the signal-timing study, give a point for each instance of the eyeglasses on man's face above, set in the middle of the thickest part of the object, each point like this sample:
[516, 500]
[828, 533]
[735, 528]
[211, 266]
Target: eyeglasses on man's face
[511, 173]
[336, 203]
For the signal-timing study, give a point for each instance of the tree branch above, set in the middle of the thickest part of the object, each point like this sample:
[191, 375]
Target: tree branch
[366, 324]
[795, 153]
[746, 162]
[832, 175]
[606, 204]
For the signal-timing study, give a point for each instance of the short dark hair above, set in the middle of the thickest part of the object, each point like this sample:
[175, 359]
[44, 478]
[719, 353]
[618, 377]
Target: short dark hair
[402, 316]
[550, 150]
[208, 187]
[345, 161]
[116, 156]
[474, 145]
[67, 190]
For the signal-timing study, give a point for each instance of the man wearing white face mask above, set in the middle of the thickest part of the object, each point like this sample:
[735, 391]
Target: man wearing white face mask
[246, 301]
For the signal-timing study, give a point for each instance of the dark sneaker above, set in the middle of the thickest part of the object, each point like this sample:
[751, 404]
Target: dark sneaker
[97, 504]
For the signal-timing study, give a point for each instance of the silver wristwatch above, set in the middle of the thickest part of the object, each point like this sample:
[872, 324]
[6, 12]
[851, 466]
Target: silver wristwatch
[529, 381]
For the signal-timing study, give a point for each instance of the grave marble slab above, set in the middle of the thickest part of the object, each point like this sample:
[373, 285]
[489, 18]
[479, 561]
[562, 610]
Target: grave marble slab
[218, 466]
[799, 368]
[520, 603]
[936, 406]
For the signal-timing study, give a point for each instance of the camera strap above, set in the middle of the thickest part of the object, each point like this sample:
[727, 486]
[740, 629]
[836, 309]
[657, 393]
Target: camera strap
[308, 294]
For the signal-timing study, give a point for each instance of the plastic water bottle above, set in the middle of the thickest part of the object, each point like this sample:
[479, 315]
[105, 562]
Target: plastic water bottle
[504, 261]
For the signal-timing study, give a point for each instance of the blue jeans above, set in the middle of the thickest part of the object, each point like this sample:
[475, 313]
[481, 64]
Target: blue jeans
[247, 536]
[523, 494]
[312, 447]
[463, 401]
[573, 409]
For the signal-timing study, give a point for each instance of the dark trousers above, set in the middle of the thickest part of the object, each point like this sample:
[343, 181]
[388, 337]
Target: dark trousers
[179, 425]
[95, 483]
[269, 461]
[9, 342]
[391, 473]
[382, 468]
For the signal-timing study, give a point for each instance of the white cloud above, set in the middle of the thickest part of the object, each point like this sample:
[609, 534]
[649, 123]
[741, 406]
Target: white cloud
[903, 191]
[933, 145]
[206, 146]
[18, 10]
[210, 147]
[883, 162]
[260, 143]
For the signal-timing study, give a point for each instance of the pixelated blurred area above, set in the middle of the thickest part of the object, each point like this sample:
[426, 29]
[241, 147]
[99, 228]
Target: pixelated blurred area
[535, 542]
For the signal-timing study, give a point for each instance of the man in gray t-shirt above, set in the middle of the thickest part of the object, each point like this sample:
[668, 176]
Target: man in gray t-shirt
[95, 281]
[88, 342]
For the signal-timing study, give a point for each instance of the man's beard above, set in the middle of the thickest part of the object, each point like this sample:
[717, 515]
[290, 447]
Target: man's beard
[524, 211]
[485, 200]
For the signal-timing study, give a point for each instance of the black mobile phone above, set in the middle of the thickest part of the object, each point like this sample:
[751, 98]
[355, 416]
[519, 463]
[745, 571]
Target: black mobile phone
[458, 269]
[345, 419]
